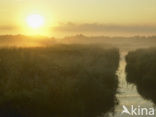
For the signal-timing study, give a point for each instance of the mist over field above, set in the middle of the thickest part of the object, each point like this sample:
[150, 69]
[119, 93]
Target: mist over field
[126, 43]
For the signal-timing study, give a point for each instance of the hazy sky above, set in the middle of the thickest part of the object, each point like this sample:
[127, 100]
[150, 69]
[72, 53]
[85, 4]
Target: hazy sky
[80, 16]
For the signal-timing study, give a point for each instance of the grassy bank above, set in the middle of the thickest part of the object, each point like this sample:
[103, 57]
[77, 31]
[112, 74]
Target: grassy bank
[141, 70]
[59, 81]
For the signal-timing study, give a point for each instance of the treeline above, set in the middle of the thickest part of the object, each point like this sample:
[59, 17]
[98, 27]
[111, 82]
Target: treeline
[59, 81]
[141, 70]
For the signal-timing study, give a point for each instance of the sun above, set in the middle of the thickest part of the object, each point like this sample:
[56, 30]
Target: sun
[35, 21]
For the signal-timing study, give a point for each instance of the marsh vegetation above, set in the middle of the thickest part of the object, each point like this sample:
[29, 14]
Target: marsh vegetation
[58, 81]
[141, 71]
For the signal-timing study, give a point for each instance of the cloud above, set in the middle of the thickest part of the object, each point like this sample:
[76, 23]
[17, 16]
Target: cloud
[95, 27]
[8, 28]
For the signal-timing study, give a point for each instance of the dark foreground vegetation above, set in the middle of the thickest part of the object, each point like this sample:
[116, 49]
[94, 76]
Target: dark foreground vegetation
[141, 70]
[59, 81]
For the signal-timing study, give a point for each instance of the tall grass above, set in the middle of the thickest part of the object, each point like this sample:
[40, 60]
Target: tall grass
[59, 81]
[141, 70]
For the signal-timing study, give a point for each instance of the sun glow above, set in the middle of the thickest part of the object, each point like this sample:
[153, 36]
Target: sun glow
[35, 21]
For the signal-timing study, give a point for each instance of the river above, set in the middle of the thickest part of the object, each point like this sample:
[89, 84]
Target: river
[128, 94]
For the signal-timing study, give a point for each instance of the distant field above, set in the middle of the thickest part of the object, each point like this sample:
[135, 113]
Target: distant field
[124, 43]
[59, 81]
[141, 70]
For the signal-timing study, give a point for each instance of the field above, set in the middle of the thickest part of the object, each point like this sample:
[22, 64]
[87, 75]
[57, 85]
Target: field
[141, 70]
[58, 81]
